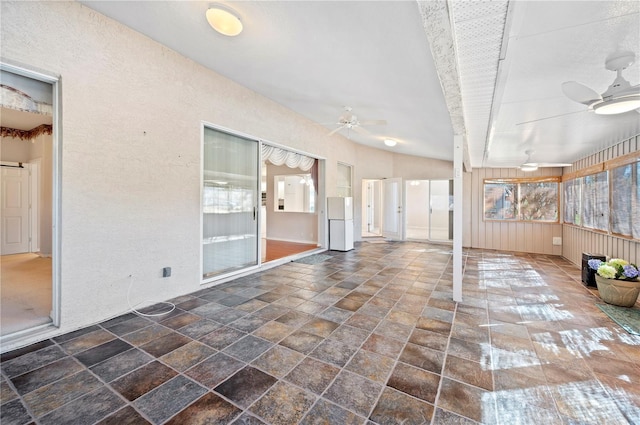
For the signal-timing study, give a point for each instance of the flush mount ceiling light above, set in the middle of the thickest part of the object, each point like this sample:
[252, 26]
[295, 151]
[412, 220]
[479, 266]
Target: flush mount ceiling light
[224, 20]
[390, 142]
[529, 167]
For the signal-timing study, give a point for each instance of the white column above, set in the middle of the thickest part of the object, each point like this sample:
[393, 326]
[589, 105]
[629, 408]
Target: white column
[458, 143]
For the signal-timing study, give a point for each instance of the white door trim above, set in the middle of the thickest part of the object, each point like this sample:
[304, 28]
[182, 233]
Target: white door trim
[35, 193]
[56, 167]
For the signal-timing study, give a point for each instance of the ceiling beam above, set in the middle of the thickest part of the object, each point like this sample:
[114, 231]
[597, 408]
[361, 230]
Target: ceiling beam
[437, 26]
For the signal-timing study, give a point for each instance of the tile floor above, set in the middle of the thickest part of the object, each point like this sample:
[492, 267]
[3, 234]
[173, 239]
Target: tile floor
[370, 336]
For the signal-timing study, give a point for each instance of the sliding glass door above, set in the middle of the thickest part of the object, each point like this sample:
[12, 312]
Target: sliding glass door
[229, 203]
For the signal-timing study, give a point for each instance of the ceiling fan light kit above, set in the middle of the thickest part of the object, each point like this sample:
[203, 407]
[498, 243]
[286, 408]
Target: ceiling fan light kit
[617, 106]
[620, 96]
[224, 20]
[530, 165]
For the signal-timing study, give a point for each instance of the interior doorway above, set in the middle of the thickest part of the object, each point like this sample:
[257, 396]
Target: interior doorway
[290, 203]
[382, 208]
[28, 184]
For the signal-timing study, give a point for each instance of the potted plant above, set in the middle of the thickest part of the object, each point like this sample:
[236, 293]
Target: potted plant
[617, 281]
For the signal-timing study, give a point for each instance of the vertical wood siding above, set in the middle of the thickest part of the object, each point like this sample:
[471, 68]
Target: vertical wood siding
[509, 236]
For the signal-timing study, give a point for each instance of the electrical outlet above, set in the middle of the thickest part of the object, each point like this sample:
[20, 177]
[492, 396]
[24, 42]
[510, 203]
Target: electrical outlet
[166, 272]
[557, 241]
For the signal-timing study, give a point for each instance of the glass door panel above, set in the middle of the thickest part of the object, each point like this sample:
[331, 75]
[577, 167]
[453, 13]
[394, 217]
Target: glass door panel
[417, 209]
[392, 209]
[229, 203]
[441, 210]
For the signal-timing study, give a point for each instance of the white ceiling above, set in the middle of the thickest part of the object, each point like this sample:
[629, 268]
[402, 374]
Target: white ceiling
[315, 57]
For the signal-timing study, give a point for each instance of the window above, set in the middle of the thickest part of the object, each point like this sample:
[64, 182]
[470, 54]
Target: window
[539, 201]
[625, 200]
[606, 198]
[499, 201]
[621, 208]
[521, 199]
[595, 201]
[344, 180]
[572, 201]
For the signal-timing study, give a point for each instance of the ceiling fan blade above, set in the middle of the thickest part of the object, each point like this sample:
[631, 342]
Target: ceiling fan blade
[580, 93]
[374, 122]
[359, 129]
[336, 130]
[552, 116]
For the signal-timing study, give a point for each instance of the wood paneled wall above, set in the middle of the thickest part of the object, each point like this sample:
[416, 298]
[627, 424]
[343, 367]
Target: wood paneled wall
[578, 240]
[506, 236]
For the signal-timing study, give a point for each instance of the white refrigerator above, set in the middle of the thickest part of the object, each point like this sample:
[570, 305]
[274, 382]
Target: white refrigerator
[340, 215]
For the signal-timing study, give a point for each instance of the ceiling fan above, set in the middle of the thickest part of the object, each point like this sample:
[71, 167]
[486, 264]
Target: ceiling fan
[530, 165]
[350, 122]
[619, 97]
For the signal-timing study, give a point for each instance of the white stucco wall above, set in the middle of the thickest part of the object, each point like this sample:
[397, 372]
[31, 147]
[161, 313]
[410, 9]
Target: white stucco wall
[131, 122]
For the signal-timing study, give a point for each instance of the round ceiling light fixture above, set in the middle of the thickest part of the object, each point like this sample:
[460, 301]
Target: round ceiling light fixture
[617, 106]
[390, 142]
[224, 20]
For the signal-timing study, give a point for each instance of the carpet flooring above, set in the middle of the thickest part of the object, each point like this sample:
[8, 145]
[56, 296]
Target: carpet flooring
[25, 292]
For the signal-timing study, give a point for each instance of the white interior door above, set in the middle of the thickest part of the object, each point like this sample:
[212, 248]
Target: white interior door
[15, 210]
[392, 208]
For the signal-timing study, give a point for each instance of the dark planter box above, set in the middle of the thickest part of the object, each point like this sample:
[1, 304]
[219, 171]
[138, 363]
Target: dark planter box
[589, 275]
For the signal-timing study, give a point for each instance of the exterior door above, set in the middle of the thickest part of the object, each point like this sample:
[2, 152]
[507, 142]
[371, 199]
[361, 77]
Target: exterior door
[416, 206]
[441, 210]
[392, 208]
[15, 210]
[231, 178]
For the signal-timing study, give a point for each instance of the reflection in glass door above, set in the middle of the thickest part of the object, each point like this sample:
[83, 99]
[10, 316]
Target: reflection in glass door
[441, 210]
[229, 203]
[429, 210]
[392, 208]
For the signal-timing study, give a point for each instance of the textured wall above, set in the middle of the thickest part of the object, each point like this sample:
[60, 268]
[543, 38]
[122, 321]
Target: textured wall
[132, 112]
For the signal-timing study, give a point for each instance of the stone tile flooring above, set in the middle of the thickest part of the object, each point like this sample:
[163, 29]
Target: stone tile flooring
[369, 336]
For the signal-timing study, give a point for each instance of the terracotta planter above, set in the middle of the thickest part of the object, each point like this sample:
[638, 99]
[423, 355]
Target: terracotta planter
[623, 293]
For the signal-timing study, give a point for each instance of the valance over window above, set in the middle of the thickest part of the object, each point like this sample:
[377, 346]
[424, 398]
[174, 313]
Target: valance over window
[278, 156]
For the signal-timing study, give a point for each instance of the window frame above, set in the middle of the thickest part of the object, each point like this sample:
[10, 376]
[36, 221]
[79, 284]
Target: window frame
[517, 181]
[344, 190]
[631, 159]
